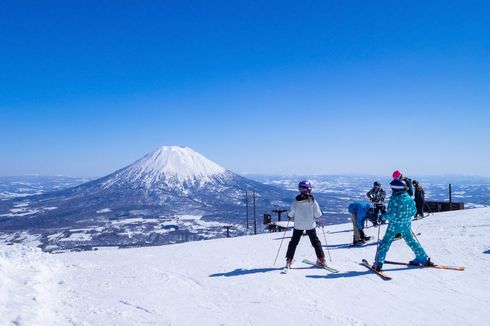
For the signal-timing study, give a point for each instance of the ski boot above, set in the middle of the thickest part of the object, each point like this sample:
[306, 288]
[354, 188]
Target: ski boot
[321, 261]
[377, 266]
[358, 243]
[364, 237]
[421, 261]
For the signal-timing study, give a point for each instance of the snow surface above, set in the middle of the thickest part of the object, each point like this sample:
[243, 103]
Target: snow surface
[28, 293]
[232, 282]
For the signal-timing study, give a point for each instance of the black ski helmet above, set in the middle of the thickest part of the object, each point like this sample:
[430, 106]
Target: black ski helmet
[398, 184]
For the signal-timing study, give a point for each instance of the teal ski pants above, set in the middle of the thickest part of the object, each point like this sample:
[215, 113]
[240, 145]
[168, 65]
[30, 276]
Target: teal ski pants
[406, 232]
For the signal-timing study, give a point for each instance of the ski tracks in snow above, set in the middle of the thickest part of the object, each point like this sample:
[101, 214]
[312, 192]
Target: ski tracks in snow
[135, 292]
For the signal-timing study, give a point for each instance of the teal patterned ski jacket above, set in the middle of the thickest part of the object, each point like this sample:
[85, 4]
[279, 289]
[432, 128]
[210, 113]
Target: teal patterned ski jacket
[401, 209]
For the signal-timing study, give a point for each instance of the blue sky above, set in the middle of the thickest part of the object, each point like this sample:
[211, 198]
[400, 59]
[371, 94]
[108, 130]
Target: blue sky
[87, 87]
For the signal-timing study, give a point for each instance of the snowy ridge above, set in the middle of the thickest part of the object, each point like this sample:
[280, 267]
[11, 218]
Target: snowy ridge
[232, 282]
[29, 294]
[169, 164]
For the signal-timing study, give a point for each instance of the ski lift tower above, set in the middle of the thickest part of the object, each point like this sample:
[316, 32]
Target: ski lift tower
[279, 211]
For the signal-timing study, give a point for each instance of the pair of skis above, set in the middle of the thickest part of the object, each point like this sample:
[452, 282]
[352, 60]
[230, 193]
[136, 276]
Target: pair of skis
[381, 274]
[385, 277]
[309, 262]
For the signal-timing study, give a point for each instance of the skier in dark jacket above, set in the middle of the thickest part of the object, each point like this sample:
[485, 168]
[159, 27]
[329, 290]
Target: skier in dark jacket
[305, 211]
[377, 196]
[419, 199]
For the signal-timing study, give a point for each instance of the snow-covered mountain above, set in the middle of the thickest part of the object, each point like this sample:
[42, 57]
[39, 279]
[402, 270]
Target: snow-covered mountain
[181, 179]
[233, 282]
[142, 203]
[172, 166]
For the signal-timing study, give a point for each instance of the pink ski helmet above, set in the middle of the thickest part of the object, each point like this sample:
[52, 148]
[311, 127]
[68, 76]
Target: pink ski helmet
[397, 174]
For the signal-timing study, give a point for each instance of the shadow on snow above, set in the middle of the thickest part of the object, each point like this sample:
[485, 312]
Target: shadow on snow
[244, 271]
[353, 273]
[348, 245]
[282, 238]
[341, 275]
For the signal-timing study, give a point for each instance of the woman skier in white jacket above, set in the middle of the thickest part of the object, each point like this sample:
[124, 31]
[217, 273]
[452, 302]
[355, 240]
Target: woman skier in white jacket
[305, 211]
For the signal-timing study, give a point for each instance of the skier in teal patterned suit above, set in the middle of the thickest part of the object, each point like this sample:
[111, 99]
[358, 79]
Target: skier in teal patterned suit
[401, 209]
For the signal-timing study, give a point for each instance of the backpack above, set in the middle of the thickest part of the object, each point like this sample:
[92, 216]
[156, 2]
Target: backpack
[408, 181]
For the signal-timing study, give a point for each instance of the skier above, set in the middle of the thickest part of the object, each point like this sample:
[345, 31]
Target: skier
[377, 196]
[358, 214]
[419, 199]
[401, 208]
[305, 211]
[398, 175]
[409, 188]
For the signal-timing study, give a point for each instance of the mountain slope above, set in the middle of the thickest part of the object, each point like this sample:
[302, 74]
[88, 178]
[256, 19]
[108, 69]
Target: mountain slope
[171, 180]
[171, 166]
[233, 282]
[162, 186]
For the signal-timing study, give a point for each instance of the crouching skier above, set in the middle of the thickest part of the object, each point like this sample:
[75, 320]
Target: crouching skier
[359, 211]
[305, 210]
[401, 209]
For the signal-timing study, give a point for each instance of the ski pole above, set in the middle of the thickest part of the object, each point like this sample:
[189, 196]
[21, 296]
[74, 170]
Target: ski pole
[413, 233]
[428, 206]
[377, 243]
[284, 235]
[328, 250]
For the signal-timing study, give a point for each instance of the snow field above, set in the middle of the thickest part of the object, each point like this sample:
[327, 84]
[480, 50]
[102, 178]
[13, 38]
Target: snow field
[28, 295]
[232, 282]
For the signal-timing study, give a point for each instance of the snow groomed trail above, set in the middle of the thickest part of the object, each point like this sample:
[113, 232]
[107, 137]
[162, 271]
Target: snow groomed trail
[232, 282]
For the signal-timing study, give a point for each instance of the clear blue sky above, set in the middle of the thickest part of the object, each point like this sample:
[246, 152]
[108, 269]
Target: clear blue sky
[87, 87]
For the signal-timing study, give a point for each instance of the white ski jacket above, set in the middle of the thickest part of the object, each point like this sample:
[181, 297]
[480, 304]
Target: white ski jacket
[305, 213]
